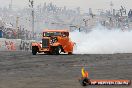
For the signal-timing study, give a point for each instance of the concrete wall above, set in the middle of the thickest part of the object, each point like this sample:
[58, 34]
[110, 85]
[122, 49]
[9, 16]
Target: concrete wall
[14, 44]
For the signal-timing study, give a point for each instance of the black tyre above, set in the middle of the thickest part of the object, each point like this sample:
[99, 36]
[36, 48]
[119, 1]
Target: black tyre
[57, 50]
[69, 53]
[34, 50]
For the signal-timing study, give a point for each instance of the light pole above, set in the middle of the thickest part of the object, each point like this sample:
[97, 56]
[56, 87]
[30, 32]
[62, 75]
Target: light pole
[85, 21]
[17, 22]
[31, 5]
[111, 6]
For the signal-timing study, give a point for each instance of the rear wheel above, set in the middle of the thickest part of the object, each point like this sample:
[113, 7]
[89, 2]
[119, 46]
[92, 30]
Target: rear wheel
[57, 50]
[69, 53]
[34, 50]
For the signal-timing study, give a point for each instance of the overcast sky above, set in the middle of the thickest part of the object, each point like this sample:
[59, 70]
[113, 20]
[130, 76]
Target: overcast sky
[84, 4]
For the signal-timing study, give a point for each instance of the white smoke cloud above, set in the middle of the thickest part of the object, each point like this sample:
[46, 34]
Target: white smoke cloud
[102, 41]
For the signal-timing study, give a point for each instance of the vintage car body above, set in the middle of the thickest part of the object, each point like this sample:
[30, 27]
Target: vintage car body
[54, 42]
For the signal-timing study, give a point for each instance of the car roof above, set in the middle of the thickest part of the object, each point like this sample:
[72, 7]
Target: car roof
[55, 30]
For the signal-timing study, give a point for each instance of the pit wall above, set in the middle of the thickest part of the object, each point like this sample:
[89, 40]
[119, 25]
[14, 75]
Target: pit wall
[14, 44]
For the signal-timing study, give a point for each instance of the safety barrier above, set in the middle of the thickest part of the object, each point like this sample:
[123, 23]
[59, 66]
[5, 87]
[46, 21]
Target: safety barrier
[14, 44]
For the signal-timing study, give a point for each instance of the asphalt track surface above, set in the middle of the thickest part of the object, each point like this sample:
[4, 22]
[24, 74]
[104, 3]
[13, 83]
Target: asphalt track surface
[23, 70]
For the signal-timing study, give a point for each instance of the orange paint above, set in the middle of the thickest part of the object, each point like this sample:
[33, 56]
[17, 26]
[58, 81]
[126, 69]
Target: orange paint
[62, 40]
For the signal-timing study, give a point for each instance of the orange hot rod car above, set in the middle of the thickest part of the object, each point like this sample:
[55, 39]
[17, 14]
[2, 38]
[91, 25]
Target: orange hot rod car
[54, 42]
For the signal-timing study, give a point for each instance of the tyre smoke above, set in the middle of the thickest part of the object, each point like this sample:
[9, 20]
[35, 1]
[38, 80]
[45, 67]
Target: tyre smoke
[102, 41]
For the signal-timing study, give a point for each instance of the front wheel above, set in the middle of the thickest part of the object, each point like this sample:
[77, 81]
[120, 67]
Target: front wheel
[34, 50]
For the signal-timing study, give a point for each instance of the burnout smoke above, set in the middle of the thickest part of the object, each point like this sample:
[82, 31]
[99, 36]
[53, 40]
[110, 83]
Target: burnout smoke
[102, 41]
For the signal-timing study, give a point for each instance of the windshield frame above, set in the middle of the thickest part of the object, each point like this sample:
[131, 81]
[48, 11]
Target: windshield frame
[49, 34]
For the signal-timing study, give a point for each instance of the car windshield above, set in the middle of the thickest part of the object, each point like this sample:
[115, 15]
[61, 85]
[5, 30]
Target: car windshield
[48, 34]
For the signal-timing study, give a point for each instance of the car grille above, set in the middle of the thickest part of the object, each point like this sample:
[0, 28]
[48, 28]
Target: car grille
[45, 43]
